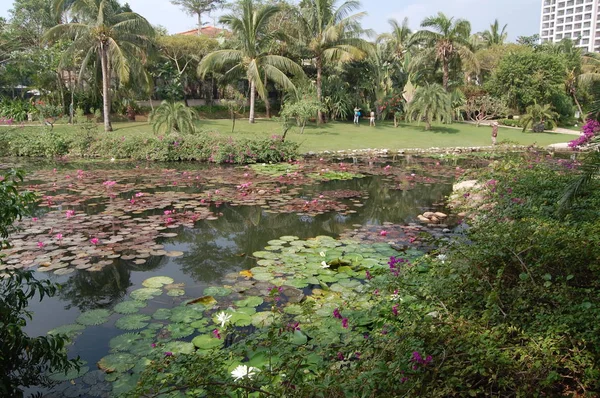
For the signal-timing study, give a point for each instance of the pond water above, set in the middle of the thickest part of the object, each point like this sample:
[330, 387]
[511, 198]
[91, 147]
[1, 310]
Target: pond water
[102, 229]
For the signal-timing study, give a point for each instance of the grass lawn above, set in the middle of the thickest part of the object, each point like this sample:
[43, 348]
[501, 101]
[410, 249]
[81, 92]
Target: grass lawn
[339, 135]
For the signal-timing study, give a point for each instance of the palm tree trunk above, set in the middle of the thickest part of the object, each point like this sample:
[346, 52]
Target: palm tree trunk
[446, 74]
[252, 100]
[199, 24]
[578, 105]
[319, 88]
[105, 86]
[267, 103]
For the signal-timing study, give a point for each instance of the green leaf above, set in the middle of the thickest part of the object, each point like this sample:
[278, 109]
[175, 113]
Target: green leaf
[157, 281]
[129, 306]
[145, 293]
[523, 276]
[93, 317]
[119, 362]
[299, 338]
[206, 342]
[132, 322]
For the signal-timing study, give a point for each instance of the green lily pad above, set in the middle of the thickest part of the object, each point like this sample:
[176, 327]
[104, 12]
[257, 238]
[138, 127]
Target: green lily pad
[179, 330]
[217, 291]
[132, 322]
[207, 301]
[125, 383]
[175, 292]
[289, 238]
[298, 283]
[206, 342]
[70, 330]
[186, 314]
[252, 301]
[246, 310]
[119, 362]
[162, 314]
[200, 324]
[93, 317]
[70, 375]
[293, 309]
[157, 281]
[299, 338]
[262, 319]
[124, 341]
[129, 306]
[179, 347]
[240, 319]
[145, 293]
[264, 277]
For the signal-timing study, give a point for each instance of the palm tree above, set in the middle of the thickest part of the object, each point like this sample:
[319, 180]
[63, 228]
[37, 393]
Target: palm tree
[537, 115]
[399, 38]
[430, 102]
[197, 8]
[119, 39]
[250, 56]
[448, 40]
[330, 34]
[173, 117]
[495, 36]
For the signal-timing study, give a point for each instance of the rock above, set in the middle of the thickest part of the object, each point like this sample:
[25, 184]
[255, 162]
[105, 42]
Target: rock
[422, 218]
[435, 219]
[439, 214]
[262, 192]
[428, 214]
[468, 184]
[446, 231]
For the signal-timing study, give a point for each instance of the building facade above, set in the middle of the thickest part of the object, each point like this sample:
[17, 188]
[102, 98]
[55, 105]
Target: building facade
[578, 20]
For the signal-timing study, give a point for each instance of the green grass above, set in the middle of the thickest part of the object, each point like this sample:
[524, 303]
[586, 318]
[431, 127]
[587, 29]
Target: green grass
[339, 136]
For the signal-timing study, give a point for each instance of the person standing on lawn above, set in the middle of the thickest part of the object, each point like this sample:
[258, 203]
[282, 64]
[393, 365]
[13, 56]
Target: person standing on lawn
[356, 115]
[494, 132]
[372, 119]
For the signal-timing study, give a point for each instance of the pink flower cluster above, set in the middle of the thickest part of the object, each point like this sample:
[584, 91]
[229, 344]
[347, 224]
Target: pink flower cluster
[109, 184]
[589, 130]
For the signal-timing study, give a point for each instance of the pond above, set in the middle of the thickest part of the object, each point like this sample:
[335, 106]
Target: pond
[102, 230]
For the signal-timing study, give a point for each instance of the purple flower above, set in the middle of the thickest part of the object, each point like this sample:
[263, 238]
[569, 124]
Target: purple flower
[369, 276]
[168, 354]
[340, 356]
[345, 323]
[395, 310]
[153, 345]
[336, 314]
[216, 334]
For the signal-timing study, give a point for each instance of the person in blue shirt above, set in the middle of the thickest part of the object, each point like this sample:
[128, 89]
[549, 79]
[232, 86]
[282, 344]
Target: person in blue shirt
[356, 115]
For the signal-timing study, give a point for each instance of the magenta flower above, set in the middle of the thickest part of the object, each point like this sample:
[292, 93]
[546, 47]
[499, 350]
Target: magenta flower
[167, 212]
[139, 195]
[340, 356]
[34, 219]
[132, 201]
[369, 276]
[345, 323]
[383, 233]
[94, 241]
[109, 184]
[336, 314]
[395, 310]
[59, 236]
[41, 244]
[153, 345]
[168, 354]
[216, 334]
[70, 213]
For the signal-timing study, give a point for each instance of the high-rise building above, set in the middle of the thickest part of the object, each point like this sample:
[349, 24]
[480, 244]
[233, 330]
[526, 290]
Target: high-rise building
[578, 20]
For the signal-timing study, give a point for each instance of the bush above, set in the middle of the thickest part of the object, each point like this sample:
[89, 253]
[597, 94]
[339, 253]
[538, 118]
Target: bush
[15, 109]
[88, 142]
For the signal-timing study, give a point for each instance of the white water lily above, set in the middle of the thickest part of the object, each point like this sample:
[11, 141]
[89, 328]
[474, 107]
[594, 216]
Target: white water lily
[394, 297]
[223, 318]
[442, 258]
[324, 264]
[242, 371]
[322, 254]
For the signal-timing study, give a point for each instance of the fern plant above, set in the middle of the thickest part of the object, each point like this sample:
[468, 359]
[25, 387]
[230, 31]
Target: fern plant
[430, 102]
[173, 117]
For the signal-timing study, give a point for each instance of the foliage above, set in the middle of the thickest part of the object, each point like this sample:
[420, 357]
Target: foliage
[15, 109]
[494, 36]
[24, 361]
[198, 7]
[483, 107]
[537, 116]
[234, 106]
[173, 117]
[430, 103]
[301, 110]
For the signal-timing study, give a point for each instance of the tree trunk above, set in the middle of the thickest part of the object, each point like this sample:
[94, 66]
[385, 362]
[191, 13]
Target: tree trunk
[578, 105]
[267, 103]
[199, 23]
[427, 125]
[252, 100]
[105, 87]
[303, 126]
[446, 74]
[319, 88]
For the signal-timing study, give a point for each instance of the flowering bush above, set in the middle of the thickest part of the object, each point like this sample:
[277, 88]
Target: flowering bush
[589, 130]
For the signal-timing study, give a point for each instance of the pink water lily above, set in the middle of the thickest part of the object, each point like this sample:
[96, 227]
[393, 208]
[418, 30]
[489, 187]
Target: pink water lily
[383, 233]
[59, 236]
[109, 184]
[94, 241]
[139, 195]
[70, 213]
[41, 244]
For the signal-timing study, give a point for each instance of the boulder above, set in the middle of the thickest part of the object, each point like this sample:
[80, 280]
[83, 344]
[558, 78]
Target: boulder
[428, 214]
[440, 214]
[422, 218]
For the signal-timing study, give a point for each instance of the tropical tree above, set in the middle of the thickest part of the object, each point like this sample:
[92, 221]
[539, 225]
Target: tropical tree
[398, 38]
[494, 35]
[430, 102]
[198, 7]
[250, 57]
[330, 34]
[119, 39]
[173, 117]
[537, 116]
[449, 40]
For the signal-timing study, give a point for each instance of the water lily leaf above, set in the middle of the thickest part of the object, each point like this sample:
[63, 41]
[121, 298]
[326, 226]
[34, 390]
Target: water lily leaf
[252, 301]
[145, 293]
[70, 375]
[124, 384]
[162, 314]
[240, 319]
[206, 342]
[299, 338]
[179, 347]
[262, 319]
[129, 306]
[186, 314]
[276, 242]
[124, 341]
[288, 238]
[265, 262]
[175, 292]
[298, 283]
[132, 322]
[93, 317]
[199, 324]
[246, 310]
[157, 281]
[263, 277]
[71, 330]
[207, 301]
[293, 309]
[246, 273]
[119, 362]
[179, 330]
[217, 291]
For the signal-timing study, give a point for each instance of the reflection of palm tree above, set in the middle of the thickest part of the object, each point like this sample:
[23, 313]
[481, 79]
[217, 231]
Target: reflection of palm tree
[88, 290]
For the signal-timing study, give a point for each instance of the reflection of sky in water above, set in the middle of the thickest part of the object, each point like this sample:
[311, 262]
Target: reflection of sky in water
[217, 247]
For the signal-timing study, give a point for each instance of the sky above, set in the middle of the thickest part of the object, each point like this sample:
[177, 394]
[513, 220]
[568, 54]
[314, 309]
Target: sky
[522, 16]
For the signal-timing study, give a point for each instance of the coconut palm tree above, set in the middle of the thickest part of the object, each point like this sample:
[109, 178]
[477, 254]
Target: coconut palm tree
[250, 57]
[448, 40]
[398, 39]
[119, 39]
[430, 102]
[538, 115]
[494, 36]
[330, 34]
[173, 117]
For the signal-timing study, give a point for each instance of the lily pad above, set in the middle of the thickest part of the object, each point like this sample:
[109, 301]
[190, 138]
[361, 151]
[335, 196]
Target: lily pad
[93, 317]
[217, 291]
[262, 319]
[145, 293]
[207, 301]
[132, 322]
[186, 314]
[175, 292]
[179, 330]
[252, 301]
[206, 342]
[240, 319]
[157, 281]
[162, 314]
[119, 362]
[124, 341]
[70, 330]
[289, 238]
[129, 306]
[179, 347]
